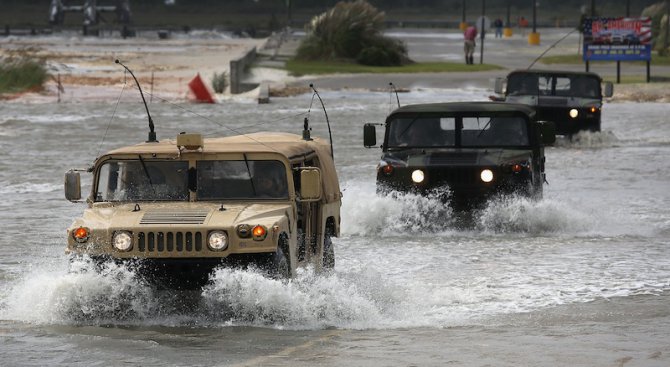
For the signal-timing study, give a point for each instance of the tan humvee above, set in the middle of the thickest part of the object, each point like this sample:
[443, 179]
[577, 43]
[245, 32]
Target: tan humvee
[184, 206]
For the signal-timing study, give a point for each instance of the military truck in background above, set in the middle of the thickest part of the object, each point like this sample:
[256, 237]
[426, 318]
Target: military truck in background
[463, 152]
[180, 208]
[571, 100]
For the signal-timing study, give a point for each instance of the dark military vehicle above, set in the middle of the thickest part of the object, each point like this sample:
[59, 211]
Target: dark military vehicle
[463, 152]
[572, 100]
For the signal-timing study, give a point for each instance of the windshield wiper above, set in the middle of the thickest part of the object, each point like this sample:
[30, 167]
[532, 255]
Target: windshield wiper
[408, 126]
[246, 163]
[484, 128]
[146, 172]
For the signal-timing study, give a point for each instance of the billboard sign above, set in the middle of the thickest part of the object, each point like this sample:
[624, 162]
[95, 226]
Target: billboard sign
[617, 39]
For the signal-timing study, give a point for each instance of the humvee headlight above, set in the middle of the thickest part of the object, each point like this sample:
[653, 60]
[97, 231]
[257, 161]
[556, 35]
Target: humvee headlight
[418, 176]
[259, 233]
[244, 231]
[217, 240]
[122, 240]
[80, 234]
[574, 113]
[486, 175]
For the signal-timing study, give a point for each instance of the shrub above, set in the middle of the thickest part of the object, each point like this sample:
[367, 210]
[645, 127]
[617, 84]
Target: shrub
[351, 31]
[23, 73]
[220, 82]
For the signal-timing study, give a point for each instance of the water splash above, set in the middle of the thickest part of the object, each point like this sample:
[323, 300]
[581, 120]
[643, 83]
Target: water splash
[367, 212]
[516, 214]
[85, 293]
[590, 140]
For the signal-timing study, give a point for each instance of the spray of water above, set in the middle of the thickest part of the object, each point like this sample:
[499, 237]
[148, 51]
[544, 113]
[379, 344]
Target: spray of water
[84, 293]
[589, 140]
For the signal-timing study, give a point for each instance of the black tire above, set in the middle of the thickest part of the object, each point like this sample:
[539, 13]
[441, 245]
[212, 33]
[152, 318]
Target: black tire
[278, 265]
[328, 253]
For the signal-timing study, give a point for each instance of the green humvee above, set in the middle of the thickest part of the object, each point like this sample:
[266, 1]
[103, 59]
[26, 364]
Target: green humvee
[464, 152]
[572, 100]
[180, 208]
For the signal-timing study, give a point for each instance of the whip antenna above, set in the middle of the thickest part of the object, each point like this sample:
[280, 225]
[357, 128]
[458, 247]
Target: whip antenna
[396, 93]
[330, 135]
[552, 46]
[152, 134]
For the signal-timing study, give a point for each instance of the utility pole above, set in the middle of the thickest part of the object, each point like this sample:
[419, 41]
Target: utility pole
[463, 24]
[482, 33]
[534, 37]
[593, 8]
[288, 13]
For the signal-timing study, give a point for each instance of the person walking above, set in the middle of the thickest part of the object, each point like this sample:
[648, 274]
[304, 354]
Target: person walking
[498, 24]
[469, 44]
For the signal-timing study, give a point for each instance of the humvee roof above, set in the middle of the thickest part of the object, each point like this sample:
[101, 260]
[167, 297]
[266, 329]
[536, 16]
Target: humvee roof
[291, 146]
[469, 107]
[555, 72]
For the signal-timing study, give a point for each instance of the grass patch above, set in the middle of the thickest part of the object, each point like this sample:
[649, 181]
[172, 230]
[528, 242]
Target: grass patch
[18, 75]
[300, 67]
[577, 59]
[637, 79]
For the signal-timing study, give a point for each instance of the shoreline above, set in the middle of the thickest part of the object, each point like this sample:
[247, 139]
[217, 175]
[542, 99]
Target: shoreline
[88, 73]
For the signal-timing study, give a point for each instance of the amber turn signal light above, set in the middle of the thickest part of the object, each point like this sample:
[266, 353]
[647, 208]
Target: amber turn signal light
[388, 169]
[259, 233]
[80, 234]
[517, 168]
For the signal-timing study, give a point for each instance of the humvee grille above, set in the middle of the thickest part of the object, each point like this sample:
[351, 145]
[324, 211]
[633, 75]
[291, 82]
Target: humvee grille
[169, 241]
[456, 176]
[181, 217]
[549, 101]
[450, 159]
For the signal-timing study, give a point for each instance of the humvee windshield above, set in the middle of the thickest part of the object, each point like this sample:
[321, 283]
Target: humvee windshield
[584, 86]
[248, 179]
[145, 180]
[424, 132]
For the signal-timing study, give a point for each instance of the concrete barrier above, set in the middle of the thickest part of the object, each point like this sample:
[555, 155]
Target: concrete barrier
[238, 69]
[264, 93]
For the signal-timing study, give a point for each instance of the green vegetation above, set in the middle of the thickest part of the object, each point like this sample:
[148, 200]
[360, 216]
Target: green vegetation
[21, 74]
[220, 81]
[352, 31]
[299, 67]
[656, 59]
[637, 79]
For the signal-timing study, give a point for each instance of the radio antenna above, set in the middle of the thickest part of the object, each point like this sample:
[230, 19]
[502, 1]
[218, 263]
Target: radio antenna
[396, 93]
[152, 134]
[330, 135]
[551, 46]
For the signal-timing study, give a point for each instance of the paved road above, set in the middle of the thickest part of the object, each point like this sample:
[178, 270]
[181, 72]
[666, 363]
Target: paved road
[425, 45]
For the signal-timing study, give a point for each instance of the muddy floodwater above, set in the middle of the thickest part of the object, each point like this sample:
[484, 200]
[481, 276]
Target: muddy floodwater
[581, 277]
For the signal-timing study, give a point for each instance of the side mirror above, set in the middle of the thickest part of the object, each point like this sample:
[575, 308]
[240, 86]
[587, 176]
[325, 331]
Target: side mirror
[499, 84]
[310, 184]
[72, 186]
[369, 135]
[609, 89]
[547, 131]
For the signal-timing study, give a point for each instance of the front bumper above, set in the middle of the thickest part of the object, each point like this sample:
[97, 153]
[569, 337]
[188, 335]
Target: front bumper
[184, 273]
[460, 186]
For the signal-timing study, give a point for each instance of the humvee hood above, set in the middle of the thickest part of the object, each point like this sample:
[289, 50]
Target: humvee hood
[477, 157]
[209, 214]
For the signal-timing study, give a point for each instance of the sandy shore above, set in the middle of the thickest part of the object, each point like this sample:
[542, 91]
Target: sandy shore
[87, 72]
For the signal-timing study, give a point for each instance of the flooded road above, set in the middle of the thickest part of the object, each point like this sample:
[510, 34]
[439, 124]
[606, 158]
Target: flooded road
[579, 278]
